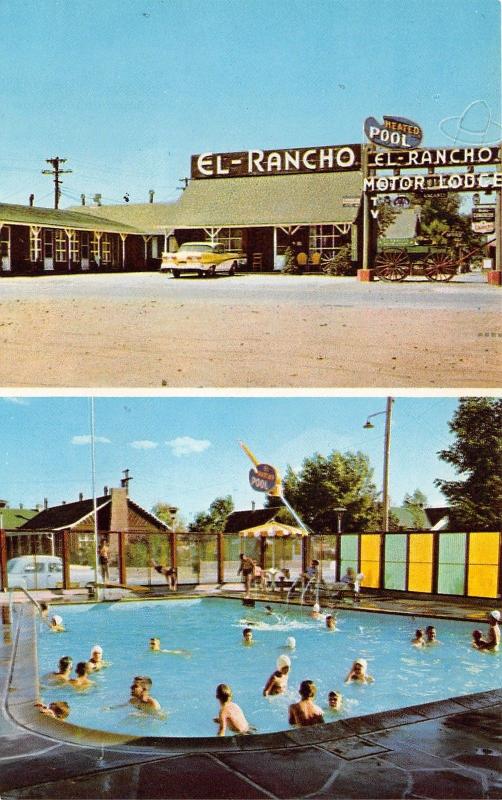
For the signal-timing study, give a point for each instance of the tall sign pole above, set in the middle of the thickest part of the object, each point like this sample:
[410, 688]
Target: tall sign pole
[498, 224]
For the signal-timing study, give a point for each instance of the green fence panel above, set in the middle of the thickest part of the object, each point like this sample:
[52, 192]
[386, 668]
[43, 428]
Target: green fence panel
[395, 561]
[349, 552]
[451, 566]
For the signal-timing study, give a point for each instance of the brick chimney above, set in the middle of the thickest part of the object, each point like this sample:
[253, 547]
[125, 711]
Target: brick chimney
[119, 520]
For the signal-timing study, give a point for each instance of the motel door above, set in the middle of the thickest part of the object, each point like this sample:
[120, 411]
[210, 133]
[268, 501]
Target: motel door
[48, 249]
[84, 251]
[5, 248]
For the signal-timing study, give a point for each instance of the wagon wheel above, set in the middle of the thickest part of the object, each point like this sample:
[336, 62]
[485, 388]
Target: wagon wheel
[439, 267]
[327, 257]
[392, 265]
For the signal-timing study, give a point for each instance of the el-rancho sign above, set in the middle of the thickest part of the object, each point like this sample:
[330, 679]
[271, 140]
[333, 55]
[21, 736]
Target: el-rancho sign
[339, 158]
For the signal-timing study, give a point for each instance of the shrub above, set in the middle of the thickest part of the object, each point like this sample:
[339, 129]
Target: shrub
[341, 263]
[290, 264]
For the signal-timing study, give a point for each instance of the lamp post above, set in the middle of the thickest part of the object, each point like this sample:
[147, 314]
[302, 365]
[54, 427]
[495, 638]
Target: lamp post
[386, 458]
[339, 514]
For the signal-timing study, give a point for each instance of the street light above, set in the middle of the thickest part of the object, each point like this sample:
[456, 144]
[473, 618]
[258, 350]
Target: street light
[386, 455]
[339, 514]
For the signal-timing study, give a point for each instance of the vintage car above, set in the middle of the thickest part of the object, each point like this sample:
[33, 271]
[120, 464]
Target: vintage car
[44, 572]
[202, 258]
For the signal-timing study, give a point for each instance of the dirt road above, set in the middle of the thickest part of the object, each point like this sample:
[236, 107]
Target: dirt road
[249, 331]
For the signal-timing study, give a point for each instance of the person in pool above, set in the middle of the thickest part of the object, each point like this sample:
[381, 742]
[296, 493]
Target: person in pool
[154, 646]
[305, 712]
[58, 709]
[278, 681]
[431, 635]
[231, 715]
[81, 682]
[492, 641]
[64, 672]
[330, 622]
[291, 642]
[247, 636]
[419, 639]
[316, 611]
[96, 662]
[169, 573]
[335, 701]
[141, 697]
[357, 672]
[56, 624]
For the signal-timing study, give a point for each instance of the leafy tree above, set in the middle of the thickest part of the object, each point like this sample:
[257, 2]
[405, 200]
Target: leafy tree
[215, 519]
[476, 454]
[290, 264]
[415, 503]
[169, 514]
[441, 221]
[341, 263]
[386, 216]
[325, 483]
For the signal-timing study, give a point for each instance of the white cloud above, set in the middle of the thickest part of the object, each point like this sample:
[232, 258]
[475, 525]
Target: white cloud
[19, 401]
[144, 444]
[185, 445]
[87, 439]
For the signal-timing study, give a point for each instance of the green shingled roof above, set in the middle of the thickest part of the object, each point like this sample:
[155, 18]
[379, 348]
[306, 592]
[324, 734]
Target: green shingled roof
[268, 200]
[61, 218]
[15, 517]
[144, 217]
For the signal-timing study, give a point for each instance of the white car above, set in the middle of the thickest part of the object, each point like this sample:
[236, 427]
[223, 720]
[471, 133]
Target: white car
[44, 572]
[201, 258]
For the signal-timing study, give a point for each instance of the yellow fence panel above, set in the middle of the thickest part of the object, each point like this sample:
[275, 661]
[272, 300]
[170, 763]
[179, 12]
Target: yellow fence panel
[370, 560]
[483, 567]
[420, 563]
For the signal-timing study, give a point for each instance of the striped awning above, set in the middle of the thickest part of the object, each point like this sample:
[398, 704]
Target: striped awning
[273, 530]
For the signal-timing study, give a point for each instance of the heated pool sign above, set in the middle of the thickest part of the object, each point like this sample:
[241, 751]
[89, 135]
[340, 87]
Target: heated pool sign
[263, 478]
[395, 132]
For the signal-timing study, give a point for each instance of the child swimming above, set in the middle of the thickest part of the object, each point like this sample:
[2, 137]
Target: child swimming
[58, 709]
[247, 636]
[419, 639]
[154, 646]
[335, 701]
[56, 624]
[305, 712]
[81, 682]
[278, 681]
[357, 672]
[231, 715]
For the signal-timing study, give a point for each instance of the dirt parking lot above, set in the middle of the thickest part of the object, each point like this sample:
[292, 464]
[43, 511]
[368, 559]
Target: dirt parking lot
[147, 330]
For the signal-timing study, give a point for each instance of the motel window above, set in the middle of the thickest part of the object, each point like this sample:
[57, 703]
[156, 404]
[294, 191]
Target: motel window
[95, 248]
[4, 247]
[35, 245]
[60, 246]
[106, 249]
[326, 240]
[74, 246]
[230, 238]
[84, 245]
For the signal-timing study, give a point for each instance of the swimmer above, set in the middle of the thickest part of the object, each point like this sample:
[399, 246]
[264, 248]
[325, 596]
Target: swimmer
[81, 682]
[169, 573]
[291, 642]
[96, 662]
[268, 610]
[64, 672]
[44, 610]
[247, 636]
[477, 640]
[140, 695]
[59, 709]
[154, 646]
[430, 635]
[231, 714]
[335, 701]
[316, 611]
[56, 624]
[330, 622]
[419, 640]
[492, 640]
[357, 672]
[278, 681]
[305, 712]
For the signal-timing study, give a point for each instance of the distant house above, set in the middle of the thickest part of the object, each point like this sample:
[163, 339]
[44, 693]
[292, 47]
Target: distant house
[421, 519]
[12, 518]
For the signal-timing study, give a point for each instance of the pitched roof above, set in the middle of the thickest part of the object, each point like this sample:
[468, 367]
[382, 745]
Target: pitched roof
[15, 517]
[240, 520]
[144, 217]
[268, 200]
[61, 218]
[67, 515]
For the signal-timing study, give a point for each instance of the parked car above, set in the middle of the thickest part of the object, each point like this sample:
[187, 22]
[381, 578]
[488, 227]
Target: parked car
[44, 572]
[201, 258]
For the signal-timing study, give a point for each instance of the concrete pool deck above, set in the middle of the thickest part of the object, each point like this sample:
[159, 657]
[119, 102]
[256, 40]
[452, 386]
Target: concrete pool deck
[448, 749]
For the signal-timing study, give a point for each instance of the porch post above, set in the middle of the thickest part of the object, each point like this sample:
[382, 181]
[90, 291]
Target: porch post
[122, 544]
[65, 534]
[3, 559]
[220, 556]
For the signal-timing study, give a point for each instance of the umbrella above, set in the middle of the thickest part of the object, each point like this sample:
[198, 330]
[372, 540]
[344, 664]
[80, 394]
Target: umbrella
[272, 530]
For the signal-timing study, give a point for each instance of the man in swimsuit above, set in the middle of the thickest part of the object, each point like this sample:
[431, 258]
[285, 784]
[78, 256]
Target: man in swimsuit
[231, 714]
[247, 569]
[305, 712]
[169, 573]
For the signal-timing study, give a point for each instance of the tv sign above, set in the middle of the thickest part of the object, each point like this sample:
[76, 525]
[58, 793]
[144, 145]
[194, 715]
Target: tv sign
[393, 132]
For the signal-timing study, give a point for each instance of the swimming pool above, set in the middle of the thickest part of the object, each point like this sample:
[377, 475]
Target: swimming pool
[211, 631]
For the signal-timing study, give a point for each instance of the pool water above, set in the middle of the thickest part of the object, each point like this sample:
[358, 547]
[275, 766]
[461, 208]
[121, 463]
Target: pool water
[210, 630]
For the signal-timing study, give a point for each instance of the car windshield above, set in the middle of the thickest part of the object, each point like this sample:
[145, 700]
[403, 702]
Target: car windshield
[191, 247]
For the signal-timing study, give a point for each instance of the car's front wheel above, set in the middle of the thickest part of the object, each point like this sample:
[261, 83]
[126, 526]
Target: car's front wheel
[211, 271]
[232, 269]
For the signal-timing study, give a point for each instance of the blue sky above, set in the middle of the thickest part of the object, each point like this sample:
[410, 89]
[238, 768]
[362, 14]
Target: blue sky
[127, 90]
[184, 450]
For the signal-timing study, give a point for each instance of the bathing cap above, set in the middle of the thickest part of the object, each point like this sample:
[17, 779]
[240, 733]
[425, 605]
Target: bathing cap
[316, 607]
[283, 661]
[57, 620]
[291, 642]
[97, 649]
[362, 662]
[495, 615]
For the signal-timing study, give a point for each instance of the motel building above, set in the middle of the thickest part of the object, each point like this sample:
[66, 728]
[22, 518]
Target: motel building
[313, 200]
[257, 202]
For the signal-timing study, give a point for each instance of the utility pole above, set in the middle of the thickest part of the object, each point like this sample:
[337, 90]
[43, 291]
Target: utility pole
[185, 181]
[56, 171]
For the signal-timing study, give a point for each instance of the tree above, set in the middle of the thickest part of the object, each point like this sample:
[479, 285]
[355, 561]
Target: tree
[476, 454]
[215, 519]
[169, 514]
[415, 503]
[325, 483]
[442, 222]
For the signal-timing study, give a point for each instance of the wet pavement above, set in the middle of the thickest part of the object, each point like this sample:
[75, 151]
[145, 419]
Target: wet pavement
[448, 749]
